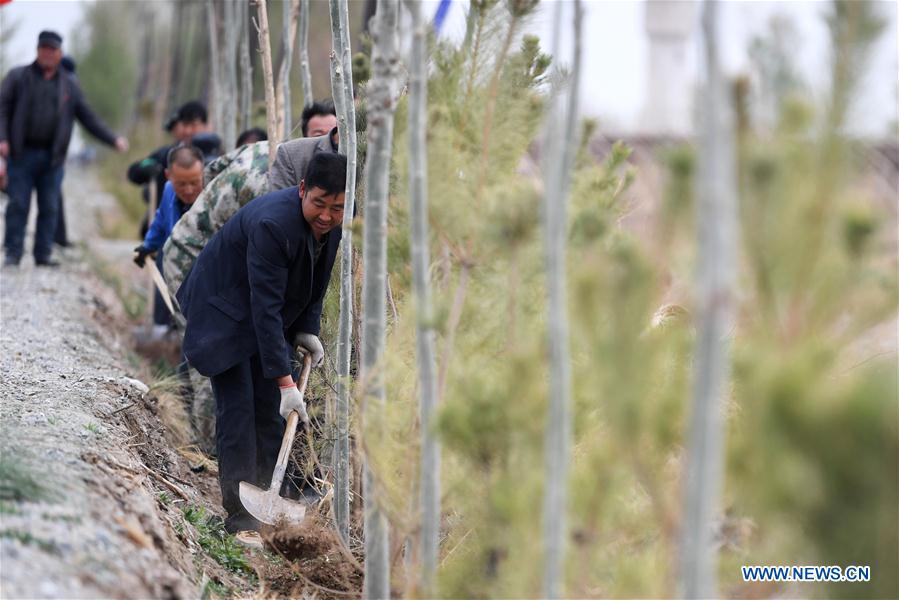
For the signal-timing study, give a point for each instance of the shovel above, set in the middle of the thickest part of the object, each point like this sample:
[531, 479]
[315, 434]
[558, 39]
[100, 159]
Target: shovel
[267, 505]
[160, 285]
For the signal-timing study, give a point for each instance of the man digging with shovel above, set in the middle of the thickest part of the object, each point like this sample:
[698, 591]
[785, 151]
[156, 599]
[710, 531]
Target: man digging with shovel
[255, 291]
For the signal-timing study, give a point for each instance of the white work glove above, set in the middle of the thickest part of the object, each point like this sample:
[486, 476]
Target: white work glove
[292, 400]
[308, 343]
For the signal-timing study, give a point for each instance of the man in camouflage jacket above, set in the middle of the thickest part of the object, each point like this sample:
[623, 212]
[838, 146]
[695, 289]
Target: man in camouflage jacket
[235, 179]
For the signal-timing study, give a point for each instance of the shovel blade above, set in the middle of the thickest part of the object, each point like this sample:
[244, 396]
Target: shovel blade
[269, 507]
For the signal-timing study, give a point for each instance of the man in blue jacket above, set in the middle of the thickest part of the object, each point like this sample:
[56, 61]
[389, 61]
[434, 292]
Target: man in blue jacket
[255, 291]
[185, 182]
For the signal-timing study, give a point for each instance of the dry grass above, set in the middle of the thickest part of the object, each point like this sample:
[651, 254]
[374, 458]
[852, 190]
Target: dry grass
[172, 409]
[199, 459]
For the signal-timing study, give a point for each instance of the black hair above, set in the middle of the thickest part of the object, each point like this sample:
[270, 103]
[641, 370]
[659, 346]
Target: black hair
[319, 107]
[208, 143]
[326, 170]
[68, 63]
[172, 121]
[192, 111]
[184, 155]
[256, 134]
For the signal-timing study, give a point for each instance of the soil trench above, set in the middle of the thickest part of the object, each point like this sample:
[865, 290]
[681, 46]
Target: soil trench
[97, 499]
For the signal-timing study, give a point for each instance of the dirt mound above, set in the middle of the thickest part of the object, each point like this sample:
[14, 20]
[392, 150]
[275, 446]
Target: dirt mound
[317, 557]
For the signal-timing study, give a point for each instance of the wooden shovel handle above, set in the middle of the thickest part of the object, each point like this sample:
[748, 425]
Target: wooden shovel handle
[157, 278]
[291, 429]
[304, 376]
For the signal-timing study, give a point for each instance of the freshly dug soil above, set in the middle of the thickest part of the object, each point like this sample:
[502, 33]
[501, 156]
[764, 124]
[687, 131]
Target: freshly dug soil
[317, 557]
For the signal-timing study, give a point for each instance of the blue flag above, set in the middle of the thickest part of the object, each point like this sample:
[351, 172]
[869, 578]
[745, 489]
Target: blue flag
[440, 15]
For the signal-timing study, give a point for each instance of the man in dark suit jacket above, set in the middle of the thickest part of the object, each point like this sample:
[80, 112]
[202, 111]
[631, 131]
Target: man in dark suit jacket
[255, 290]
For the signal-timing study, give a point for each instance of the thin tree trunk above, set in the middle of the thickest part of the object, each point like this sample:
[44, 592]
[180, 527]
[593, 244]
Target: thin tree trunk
[291, 12]
[338, 87]
[714, 294]
[493, 92]
[178, 45]
[492, 96]
[228, 105]
[215, 64]
[165, 84]
[474, 28]
[303, 41]
[147, 61]
[188, 85]
[342, 84]
[421, 261]
[382, 104]
[246, 67]
[367, 14]
[271, 104]
[558, 164]
[452, 324]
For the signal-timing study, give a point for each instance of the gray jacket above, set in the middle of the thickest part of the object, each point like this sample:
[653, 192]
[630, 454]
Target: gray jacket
[293, 157]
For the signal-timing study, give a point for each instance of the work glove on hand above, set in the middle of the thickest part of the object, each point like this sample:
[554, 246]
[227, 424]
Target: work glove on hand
[150, 167]
[308, 343]
[142, 253]
[292, 400]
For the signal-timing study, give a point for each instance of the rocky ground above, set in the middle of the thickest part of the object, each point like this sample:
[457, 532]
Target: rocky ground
[100, 496]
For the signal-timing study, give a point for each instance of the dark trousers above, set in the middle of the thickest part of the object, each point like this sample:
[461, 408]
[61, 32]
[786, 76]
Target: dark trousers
[61, 237]
[33, 170]
[248, 430]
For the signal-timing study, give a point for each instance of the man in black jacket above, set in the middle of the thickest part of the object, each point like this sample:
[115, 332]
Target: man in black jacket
[255, 291]
[38, 106]
[189, 120]
[188, 125]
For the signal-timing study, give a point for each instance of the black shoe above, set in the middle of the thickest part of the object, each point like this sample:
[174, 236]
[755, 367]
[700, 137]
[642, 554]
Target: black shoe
[46, 262]
[242, 521]
[11, 262]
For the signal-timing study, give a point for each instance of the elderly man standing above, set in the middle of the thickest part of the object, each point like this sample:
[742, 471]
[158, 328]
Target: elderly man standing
[38, 105]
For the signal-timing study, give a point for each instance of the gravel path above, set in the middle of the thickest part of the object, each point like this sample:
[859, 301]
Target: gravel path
[80, 515]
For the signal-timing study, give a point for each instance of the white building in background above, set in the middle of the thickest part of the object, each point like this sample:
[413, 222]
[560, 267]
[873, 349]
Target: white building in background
[667, 106]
